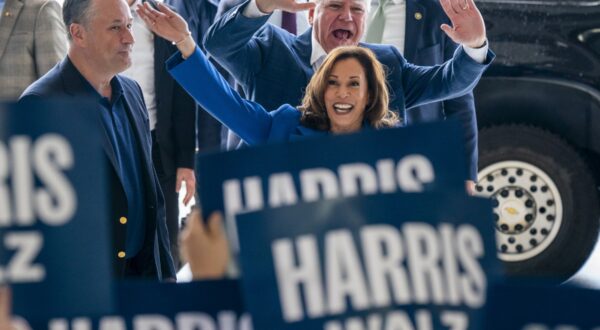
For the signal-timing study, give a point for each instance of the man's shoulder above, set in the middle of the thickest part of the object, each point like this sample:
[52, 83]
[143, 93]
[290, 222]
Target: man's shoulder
[49, 85]
[38, 4]
[383, 52]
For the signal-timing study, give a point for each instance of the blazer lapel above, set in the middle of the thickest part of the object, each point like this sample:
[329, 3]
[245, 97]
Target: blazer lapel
[302, 45]
[137, 124]
[415, 15]
[76, 85]
[8, 19]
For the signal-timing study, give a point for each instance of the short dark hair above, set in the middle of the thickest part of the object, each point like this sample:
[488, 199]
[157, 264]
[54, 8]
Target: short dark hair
[76, 11]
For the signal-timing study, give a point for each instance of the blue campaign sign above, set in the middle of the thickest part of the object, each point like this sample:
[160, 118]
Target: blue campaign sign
[205, 305]
[411, 159]
[54, 239]
[389, 261]
[538, 307]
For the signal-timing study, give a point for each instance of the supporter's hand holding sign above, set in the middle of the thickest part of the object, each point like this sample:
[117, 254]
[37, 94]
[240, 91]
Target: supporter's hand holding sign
[5, 308]
[204, 246]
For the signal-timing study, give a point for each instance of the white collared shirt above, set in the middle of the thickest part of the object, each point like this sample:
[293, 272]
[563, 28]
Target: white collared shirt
[395, 22]
[142, 68]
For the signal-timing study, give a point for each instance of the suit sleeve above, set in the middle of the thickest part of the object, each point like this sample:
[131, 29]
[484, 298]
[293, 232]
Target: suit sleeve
[463, 109]
[50, 39]
[203, 82]
[454, 78]
[231, 41]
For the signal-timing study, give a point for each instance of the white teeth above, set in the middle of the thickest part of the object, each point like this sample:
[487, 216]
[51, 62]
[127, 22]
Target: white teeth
[342, 108]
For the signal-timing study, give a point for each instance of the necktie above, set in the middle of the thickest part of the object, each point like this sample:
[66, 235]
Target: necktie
[288, 21]
[376, 25]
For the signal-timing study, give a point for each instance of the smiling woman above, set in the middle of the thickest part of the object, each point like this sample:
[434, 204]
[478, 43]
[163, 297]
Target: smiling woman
[347, 92]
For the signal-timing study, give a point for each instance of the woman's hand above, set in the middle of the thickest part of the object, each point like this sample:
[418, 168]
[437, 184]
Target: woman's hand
[168, 25]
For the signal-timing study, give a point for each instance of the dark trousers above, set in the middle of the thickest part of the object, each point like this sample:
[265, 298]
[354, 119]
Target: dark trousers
[167, 185]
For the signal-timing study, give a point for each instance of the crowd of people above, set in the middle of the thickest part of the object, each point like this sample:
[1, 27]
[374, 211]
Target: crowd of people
[146, 67]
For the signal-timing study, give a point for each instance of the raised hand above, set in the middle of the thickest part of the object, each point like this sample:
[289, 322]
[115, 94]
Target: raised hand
[164, 22]
[467, 27]
[268, 6]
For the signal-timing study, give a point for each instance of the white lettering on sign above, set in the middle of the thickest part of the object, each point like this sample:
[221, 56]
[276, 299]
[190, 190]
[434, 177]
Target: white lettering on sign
[53, 201]
[396, 266]
[423, 320]
[22, 267]
[409, 174]
[225, 320]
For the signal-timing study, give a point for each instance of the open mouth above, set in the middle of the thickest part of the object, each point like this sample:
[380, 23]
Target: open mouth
[342, 108]
[342, 35]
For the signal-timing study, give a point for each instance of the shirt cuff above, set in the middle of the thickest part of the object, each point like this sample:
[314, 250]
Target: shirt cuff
[252, 11]
[477, 54]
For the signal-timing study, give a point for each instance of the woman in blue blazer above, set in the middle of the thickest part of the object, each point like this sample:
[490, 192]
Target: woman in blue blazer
[347, 93]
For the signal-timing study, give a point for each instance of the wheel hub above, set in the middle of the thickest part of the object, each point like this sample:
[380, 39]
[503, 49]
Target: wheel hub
[527, 208]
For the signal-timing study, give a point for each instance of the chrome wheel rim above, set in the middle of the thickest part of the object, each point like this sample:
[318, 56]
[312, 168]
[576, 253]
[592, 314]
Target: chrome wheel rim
[528, 210]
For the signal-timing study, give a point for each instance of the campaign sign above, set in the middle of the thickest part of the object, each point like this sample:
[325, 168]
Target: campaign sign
[389, 261]
[537, 307]
[409, 159]
[54, 238]
[205, 305]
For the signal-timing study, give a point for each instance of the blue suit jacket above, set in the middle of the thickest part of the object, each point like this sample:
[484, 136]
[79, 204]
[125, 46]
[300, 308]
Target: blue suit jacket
[255, 125]
[426, 44]
[64, 81]
[273, 66]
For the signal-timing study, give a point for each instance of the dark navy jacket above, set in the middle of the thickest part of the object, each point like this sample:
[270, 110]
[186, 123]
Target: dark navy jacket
[65, 81]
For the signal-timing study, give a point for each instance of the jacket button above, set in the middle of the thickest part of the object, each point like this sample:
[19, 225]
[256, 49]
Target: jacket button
[121, 254]
[123, 220]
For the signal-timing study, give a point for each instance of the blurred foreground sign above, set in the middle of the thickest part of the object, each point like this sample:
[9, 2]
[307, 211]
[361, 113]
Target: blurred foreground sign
[411, 159]
[389, 261]
[145, 305]
[54, 237]
[537, 307]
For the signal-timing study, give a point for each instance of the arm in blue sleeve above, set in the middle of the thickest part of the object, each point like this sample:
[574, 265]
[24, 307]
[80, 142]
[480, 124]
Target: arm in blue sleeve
[203, 82]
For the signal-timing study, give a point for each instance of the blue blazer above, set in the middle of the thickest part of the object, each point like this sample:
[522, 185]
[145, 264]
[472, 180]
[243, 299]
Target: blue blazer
[273, 66]
[65, 81]
[426, 44]
[255, 125]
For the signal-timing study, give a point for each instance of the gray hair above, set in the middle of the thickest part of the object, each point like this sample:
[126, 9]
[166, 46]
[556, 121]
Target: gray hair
[76, 11]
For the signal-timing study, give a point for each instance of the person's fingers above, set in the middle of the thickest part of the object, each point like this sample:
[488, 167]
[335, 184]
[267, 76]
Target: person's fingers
[303, 6]
[5, 306]
[189, 191]
[178, 183]
[166, 10]
[447, 7]
[448, 30]
[458, 6]
[196, 223]
[215, 224]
